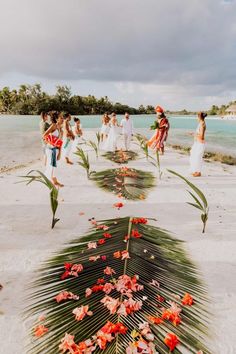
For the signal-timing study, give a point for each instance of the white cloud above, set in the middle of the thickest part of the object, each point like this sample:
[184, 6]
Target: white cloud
[181, 48]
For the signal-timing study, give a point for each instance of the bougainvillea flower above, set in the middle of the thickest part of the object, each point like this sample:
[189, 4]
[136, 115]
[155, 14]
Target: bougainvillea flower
[111, 304]
[88, 292]
[94, 258]
[160, 298]
[109, 271]
[171, 340]
[71, 270]
[125, 255]
[97, 288]
[67, 343]
[146, 332]
[155, 320]
[92, 245]
[103, 227]
[118, 205]
[41, 318]
[75, 269]
[141, 347]
[40, 331]
[66, 295]
[139, 221]
[136, 234]
[107, 235]
[81, 312]
[117, 254]
[187, 300]
[101, 241]
[171, 316]
[108, 287]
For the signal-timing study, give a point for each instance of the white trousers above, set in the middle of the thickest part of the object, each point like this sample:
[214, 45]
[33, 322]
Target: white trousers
[66, 148]
[127, 140]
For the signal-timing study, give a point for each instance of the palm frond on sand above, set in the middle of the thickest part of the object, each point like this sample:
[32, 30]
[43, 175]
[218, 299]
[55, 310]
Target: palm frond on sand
[154, 261]
[121, 156]
[125, 182]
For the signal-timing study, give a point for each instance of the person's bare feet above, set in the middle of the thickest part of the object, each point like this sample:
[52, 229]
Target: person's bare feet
[69, 162]
[56, 183]
[196, 174]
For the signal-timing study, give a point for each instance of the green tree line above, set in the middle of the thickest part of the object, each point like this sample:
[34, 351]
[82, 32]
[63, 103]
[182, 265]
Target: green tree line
[30, 99]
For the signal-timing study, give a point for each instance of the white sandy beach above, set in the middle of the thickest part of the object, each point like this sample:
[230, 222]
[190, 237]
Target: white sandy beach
[26, 238]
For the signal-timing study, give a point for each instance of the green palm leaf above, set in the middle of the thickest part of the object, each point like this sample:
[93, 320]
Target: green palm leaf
[40, 177]
[156, 258]
[199, 198]
[128, 182]
[121, 156]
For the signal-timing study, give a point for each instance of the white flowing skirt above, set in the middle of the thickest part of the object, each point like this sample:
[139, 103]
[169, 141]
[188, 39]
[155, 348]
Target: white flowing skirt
[111, 142]
[105, 129]
[196, 156]
[66, 147]
[78, 140]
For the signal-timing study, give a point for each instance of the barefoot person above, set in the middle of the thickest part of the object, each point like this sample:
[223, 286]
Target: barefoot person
[67, 138]
[159, 138]
[198, 148]
[53, 138]
[105, 127]
[127, 130]
[43, 126]
[111, 142]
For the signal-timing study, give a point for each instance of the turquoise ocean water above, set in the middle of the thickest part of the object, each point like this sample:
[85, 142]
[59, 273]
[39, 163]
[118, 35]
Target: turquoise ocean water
[221, 134]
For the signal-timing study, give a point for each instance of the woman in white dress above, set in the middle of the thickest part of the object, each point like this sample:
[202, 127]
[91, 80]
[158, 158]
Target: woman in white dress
[105, 127]
[111, 142]
[198, 148]
[77, 131]
[53, 137]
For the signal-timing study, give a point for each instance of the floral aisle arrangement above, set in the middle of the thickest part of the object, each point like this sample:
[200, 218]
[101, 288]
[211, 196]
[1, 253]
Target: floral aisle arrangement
[126, 287]
[125, 182]
[121, 156]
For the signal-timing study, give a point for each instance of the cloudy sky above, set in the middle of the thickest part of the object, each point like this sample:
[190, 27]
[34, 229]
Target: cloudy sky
[177, 53]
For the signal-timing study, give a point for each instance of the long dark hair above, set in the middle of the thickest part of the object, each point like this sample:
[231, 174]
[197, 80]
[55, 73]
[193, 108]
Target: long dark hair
[54, 117]
[202, 115]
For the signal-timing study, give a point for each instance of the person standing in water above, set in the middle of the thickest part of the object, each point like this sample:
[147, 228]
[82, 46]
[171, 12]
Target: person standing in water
[159, 138]
[53, 137]
[198, 148]
[43, 126]
[67, 138]
[127, 130]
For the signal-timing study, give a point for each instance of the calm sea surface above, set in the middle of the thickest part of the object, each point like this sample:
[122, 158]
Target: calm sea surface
[221, 134]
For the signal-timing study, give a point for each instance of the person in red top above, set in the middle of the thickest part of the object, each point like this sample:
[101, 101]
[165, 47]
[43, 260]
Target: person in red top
[159, 138]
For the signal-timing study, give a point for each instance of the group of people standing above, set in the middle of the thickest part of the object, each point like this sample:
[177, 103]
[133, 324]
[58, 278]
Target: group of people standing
[110, 132]
[59, 139]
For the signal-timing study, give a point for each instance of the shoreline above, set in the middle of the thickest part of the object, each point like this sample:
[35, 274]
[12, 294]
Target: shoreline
[209, 156]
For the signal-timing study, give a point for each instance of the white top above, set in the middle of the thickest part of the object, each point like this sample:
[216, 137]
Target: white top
[127, 126]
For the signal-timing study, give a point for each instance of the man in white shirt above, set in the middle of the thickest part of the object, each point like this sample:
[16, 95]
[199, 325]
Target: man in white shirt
[127, 130]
